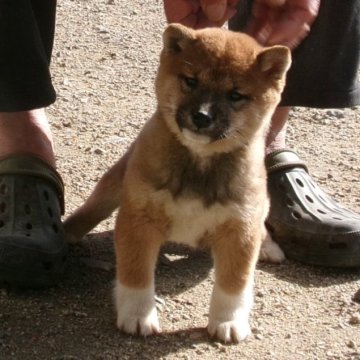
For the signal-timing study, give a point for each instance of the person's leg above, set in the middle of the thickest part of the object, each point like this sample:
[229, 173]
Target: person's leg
[26, 132]
[26, 41]
[25, 82]
[310, 226]
[276, 137]
[31, 191]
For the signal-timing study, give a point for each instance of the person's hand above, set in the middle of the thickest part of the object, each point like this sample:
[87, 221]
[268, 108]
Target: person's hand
[199, 13]
[282, 22]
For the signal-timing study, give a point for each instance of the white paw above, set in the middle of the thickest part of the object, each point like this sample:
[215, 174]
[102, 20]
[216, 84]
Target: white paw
[139, 325]
[228, 332]
[271, 252]
[136, 311]
[229, 314]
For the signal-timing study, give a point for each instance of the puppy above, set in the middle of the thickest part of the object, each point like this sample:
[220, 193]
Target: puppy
[195, 175]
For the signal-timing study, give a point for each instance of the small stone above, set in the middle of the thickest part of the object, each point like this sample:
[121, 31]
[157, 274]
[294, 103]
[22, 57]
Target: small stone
[355, 319]
[351, 344]
[335, 113]
[102, 30]
[99, 151]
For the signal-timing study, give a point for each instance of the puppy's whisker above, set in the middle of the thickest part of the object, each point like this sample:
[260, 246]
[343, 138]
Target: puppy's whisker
[187, 63]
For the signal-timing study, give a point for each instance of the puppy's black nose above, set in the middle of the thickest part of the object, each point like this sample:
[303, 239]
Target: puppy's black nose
[202, 119]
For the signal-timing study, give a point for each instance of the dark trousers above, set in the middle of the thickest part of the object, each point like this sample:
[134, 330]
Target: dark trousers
[26, 41]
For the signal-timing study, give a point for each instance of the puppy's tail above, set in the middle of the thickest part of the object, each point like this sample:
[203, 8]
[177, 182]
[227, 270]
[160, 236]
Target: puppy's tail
[102, 202]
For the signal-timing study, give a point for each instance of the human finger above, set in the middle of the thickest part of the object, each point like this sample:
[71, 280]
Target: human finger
[214, 10]
[286, 24]
[203, 21]
[180, 10]
[288, 32]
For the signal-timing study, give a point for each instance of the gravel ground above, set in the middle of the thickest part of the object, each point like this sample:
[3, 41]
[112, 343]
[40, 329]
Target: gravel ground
[104, 63]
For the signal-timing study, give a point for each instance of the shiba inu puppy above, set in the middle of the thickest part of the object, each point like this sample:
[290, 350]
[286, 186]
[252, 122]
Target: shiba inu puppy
[195, 175]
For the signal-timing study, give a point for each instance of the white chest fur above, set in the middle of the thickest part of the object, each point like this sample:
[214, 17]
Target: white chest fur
[190, 219]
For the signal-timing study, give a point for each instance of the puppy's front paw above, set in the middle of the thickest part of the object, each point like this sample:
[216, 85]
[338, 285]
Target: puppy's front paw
[136, 311]
[229, 315]
[271, 252]
[135, 324]
[228, 332]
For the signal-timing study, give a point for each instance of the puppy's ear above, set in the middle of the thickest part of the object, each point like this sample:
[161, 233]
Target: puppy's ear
[176, 36]
[274, 61]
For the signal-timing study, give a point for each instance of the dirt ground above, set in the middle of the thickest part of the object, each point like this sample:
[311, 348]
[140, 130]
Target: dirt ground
[104, 63]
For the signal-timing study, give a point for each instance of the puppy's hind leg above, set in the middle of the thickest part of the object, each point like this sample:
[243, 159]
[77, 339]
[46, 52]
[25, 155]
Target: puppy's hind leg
[270, 250]
[102, 202]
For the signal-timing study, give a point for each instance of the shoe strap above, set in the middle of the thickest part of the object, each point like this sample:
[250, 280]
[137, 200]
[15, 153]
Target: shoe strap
[283, 159]
[34, 166]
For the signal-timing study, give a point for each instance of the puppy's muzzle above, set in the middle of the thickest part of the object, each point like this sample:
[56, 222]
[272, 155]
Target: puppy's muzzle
[202, 119]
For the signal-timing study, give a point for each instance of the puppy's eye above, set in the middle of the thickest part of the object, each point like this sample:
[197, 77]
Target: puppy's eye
[235, 96]
[190, 82]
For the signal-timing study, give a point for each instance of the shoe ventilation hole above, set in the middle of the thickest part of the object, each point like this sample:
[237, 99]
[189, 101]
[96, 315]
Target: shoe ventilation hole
[2, 207]
[28, 226]
[46, 195]
[337, 246]
[300, 183]
[3, 189]
[309, 199]
[321, 211]
[50, 212]
[28, 235]
[296, 215]
[1, 224]
[337, 218]
[27, 209]
[55, 228]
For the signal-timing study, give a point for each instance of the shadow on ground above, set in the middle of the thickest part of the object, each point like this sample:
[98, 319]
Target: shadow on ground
[76, 319]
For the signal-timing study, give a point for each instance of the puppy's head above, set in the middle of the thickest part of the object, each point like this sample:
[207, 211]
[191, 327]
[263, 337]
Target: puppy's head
[217, 89]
